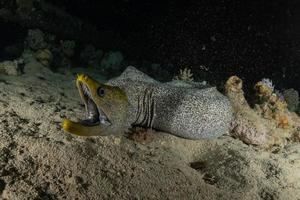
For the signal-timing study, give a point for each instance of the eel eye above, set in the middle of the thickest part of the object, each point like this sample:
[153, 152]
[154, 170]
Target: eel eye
[101, 91]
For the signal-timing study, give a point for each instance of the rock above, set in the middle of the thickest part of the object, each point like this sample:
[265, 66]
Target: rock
[33, 67]
[291, 96]
[112, 60]
[247, 127]
[24, 7]
[68, 48]
[10, 68]
[36, 39]
[57, 58]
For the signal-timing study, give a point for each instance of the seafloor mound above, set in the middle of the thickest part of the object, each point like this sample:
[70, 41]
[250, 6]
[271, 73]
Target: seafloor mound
[39, 161]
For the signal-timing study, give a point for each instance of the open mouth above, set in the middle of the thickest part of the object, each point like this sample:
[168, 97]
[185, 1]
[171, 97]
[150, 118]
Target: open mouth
[94, 116]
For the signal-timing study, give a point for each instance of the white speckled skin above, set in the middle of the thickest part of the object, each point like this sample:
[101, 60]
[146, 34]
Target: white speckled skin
[187, 112]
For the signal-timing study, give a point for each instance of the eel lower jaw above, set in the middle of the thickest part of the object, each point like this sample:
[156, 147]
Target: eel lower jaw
[77, 128]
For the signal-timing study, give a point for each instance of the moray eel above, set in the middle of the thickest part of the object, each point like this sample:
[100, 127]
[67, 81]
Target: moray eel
[135, 99]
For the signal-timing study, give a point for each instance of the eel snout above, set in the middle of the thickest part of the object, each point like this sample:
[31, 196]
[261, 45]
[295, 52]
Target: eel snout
[96, 119]
[94, 114]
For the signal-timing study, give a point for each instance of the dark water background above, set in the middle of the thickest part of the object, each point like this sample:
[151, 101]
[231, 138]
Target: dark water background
[251, 39]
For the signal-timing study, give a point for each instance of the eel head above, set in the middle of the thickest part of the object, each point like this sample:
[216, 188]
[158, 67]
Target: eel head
[106, 109]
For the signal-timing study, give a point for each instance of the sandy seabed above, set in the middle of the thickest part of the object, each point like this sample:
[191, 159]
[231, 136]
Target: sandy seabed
[38, 161]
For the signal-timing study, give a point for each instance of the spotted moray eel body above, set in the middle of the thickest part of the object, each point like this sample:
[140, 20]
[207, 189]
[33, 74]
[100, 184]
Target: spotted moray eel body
[185, 111]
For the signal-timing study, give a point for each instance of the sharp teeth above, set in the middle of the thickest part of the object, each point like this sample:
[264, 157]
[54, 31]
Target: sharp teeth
[86, 90]
[102, 119]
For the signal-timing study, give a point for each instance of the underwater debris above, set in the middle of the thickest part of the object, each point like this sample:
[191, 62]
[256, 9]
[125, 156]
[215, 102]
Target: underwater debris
[184, 75]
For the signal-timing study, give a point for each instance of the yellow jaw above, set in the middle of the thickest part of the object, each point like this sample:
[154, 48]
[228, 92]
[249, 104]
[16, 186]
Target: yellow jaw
[77, 128]
[105, 103]
[73, 127]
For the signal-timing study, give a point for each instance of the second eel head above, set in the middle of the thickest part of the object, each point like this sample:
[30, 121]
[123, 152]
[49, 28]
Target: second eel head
[106, 109]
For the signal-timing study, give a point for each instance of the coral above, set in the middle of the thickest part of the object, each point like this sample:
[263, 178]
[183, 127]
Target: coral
[7, 15]
[234, 84]
[269, 123]
[112, 60]
[268, 83]
[68, 47]
[296, 135]
[291, 96]
[185, 75]
[24, 7]
[235, 93]
[271, 105]
[58, 58]
[66, 63]
[264, 89]
[36, 40]
[246, 124]
[65, 53]
[283, 122]
[44, 57]
[90, 56]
